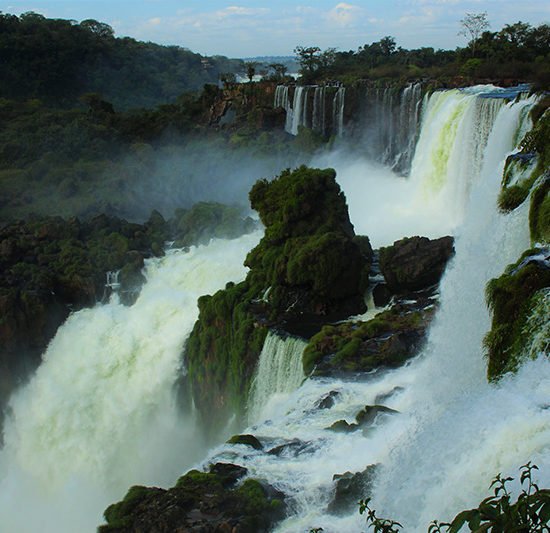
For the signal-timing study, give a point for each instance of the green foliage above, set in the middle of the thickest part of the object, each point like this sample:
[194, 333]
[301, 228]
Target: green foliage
[379, 525]
[117, 514]
[57, 61]
[518, 51]
[498, 514]
[530, 513]
[344, 342]
[539, 212]
[512, 197]
[222, 351]
[512, 297]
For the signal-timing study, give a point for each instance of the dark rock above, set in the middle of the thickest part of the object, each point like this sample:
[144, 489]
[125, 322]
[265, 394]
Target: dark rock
[228, 473]
[415, 263]
[328, 400]
[247, 440]
[350, 488]
[380, 398]
[381, 295]
[370, 413]
[198, 503]
[388, 340]
[291, 448]
[341, 426]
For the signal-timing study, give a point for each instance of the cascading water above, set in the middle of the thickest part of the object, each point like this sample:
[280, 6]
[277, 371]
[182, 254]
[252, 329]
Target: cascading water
[100, 414]
[282, 100]
[319, 106]
[280, 371]
[454, 431]
[388, 124]
[338, 111]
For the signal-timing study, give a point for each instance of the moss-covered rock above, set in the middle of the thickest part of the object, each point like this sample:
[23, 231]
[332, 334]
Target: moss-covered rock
[513, 298]
[388, 340]
[200, 501]
[308, 269]
[207, 220]
[246, 440]
[539, 211]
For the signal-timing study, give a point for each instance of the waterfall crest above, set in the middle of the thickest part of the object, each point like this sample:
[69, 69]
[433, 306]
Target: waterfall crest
[280, 371]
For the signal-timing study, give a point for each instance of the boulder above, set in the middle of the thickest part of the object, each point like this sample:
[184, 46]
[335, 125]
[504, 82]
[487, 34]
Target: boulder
[200, 501]
[350, 488]
[246, 440]
[415, 263]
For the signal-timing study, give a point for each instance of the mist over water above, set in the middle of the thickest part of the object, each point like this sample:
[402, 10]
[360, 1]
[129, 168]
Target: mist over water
[100, 413]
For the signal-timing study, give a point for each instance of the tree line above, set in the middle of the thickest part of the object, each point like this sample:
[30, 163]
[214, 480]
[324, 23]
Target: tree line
[58, 60]
[517, 51]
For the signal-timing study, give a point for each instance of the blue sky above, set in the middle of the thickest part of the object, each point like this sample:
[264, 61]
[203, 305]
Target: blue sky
[253, 28]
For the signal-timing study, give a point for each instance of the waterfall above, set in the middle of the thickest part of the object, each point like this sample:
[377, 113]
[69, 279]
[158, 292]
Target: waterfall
[299, 109]
[99, 415]
[454, 430]
[319, 103]
[338, 111]
[389, 124]
[282, 100]
[280, 371]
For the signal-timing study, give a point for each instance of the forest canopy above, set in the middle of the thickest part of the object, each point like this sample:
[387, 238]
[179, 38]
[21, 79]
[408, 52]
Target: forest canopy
[58, 60]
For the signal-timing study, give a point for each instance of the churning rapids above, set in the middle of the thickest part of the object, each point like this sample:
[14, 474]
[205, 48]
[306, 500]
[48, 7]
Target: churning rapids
[99, 415]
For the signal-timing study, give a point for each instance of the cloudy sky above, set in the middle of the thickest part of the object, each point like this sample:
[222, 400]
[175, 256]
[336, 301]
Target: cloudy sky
[253, 28]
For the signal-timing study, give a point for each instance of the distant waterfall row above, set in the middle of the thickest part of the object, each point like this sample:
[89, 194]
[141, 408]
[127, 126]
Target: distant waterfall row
[384, 122]
[318, 108]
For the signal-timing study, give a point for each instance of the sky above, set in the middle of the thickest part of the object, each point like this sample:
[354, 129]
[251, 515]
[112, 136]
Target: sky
[253, 28]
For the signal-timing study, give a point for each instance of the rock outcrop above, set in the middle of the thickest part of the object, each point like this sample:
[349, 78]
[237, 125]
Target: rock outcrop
[415, 263]
[211, 501]
[307, 270]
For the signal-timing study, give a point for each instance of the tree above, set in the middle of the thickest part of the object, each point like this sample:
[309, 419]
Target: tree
[250, 69]
[308, 58]
[279, 69]
[473, 25]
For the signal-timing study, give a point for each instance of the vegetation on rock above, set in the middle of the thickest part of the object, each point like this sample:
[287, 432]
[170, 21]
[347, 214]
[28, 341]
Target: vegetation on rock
[387, 340]
[306, 265]
[513, 298]
[208, 500]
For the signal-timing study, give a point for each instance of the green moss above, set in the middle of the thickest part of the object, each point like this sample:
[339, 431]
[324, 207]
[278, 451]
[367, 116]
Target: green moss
[512, 197]
[247, 440]
[117, 514]
[344, 341]
[197, 481]
[539, 212]
[511, 297]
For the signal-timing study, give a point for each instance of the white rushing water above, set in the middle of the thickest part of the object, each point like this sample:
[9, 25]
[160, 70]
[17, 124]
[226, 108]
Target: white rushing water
[100, 414]
[455, 431]
[280, 371]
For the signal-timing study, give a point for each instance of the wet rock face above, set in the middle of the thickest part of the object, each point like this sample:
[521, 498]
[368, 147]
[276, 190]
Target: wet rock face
[350, 488]
[200, 501]
[415, 263]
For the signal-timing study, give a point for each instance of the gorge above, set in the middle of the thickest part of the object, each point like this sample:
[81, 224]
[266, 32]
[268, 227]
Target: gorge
[126, 410]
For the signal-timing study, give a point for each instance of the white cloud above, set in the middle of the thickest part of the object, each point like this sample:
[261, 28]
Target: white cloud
[345, 14]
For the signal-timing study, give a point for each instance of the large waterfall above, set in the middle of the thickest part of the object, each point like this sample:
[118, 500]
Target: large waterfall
[100, 414]
[454, 431]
